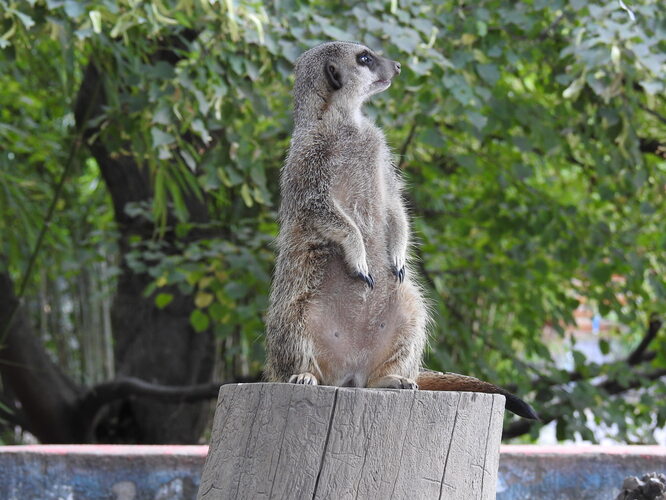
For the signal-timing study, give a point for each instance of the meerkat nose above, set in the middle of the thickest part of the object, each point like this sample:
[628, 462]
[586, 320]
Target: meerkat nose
[396, 65]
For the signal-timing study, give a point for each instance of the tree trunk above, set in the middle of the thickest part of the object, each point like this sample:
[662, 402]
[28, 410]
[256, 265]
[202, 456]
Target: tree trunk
[294, 441]
[49, 399]
[156, 345]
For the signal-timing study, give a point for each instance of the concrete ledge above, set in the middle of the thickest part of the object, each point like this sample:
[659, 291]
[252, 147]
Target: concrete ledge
[576, 472]
[79, 472]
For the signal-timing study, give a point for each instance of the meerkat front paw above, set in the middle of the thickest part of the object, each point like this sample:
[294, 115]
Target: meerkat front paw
[394, 382]
[363, 273]
[399, 273]
[398, 268]
[369, 280]
[303, 378]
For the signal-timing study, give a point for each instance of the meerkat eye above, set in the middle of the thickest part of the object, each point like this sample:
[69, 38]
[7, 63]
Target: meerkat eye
[365, 59]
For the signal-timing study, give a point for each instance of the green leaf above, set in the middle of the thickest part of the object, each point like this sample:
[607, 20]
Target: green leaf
[245, 194]
[74, 9]
[162, 70]
[478, 120]
[24, 18]
[579, 359]
[96, 19]
[334, 33]
[653, 87]
[433, 137]
[199, 320]
[561, 430]
[236, 290]
[604, 346]
[161, 138]
[163, 299]
[573, 90]
[199, 127]
[481, 28]
[203, 299]
[488, 72]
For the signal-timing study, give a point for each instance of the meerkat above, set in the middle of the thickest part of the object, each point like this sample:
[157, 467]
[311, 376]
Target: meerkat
[344, 308]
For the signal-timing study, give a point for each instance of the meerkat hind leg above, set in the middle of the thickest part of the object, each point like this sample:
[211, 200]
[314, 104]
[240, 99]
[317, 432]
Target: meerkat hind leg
[400, 368]
[306, 378]
[394, 382]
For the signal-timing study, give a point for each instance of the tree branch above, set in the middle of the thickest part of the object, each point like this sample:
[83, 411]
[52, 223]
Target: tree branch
[611, 387]
[638, 354]
[101, 395]
[652, 146]
[13, 415]
[124, 387]
[658, 116]
[546, 32]
[406, 144]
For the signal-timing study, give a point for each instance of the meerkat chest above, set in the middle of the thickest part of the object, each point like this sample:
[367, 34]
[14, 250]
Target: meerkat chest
[360, 183]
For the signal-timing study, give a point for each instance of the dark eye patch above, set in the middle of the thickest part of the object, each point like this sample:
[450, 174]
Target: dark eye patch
[365, 58]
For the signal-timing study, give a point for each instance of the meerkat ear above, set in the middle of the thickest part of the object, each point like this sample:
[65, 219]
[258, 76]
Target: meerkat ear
[333, 76]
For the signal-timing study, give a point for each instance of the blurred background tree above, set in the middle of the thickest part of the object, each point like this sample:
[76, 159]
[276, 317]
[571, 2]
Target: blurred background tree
[140, 147]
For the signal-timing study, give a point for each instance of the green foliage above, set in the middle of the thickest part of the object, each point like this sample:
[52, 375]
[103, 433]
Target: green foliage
[529, 133]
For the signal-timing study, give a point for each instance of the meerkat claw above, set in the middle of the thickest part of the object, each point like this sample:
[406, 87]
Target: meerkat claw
[303, 378]
[399, 273]
[369, 280]
[410, 384]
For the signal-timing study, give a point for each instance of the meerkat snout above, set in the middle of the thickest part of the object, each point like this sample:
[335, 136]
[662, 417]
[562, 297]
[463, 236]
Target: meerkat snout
[382, 70]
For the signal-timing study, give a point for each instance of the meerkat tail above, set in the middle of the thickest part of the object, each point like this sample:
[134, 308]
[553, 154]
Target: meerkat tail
[438, 381]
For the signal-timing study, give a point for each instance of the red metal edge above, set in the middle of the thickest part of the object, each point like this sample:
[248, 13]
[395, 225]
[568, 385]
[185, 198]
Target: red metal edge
[585, 449]
[202, 450]
[108, 449]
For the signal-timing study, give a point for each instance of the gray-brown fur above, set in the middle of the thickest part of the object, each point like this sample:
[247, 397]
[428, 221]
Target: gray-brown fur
[344, 308]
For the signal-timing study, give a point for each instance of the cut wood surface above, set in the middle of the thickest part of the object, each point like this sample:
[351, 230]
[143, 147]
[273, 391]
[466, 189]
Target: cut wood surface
[287, 441]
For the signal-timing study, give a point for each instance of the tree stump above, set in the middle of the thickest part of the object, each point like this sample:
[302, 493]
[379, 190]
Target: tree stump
[287, 441]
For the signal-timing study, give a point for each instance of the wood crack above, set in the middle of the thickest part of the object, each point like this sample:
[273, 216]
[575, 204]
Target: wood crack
[448, 451]
[402, 448]
[284, 431]
[485, 455]
[328, 436]
[249, 438]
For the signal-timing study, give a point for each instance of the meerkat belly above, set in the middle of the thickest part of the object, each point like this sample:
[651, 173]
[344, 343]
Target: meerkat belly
[355, 325]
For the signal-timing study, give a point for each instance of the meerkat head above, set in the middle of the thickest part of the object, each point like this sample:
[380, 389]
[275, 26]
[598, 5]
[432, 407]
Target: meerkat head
[339, 75]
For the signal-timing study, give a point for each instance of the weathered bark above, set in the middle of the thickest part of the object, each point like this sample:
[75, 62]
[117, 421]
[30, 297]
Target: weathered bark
[294, 441]
[156, 345]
